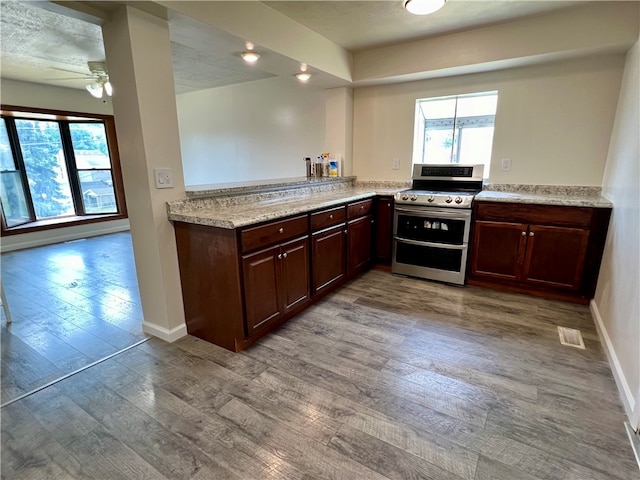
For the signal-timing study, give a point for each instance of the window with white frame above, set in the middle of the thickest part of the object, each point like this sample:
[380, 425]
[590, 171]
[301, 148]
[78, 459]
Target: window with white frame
[455, 129]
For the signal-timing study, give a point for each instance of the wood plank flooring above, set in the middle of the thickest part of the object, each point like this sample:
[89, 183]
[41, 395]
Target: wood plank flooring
[388, 378]
[72, 304]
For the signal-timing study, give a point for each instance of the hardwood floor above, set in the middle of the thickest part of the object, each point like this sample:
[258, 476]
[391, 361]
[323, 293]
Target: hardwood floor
[389, 377]
[72, 304]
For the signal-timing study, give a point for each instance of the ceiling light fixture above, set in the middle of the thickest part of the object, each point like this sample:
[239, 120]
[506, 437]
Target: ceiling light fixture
[250, 57]
[303, 76]
[423, 7]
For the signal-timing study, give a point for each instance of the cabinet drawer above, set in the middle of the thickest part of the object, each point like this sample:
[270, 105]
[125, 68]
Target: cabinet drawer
[264, 235]
[327, 218]
[537, 214]
[359, 208]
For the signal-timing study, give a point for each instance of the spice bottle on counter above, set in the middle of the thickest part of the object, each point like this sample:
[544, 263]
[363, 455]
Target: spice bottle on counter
[318, 167]
[307, 161]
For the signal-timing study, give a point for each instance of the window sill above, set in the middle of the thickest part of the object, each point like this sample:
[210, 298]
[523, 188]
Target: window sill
[51, 224]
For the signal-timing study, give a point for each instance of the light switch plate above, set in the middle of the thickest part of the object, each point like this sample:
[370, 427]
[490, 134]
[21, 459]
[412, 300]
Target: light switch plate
[506, 164]
[164, 177]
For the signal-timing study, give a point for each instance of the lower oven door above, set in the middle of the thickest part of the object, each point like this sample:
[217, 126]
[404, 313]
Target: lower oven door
[434, 261]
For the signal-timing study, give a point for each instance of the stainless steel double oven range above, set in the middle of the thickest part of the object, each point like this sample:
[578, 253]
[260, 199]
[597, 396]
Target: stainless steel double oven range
[432, 221]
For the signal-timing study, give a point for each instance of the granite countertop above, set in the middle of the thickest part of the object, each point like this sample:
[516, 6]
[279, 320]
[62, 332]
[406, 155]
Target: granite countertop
[253, 186]
[545, 195]
[249, 213]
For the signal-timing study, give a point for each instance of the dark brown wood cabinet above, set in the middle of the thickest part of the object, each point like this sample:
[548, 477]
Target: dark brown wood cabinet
[276, 281]
[240, 284]
[358, 244]
[329, 254]
[551, 251]
[261, 285]
[359, 238]
[383, 229]
[536, 254]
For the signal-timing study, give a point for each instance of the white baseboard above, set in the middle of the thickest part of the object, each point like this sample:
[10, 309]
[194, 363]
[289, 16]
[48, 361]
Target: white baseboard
[164, 333]
[39, 239]
[628, 400]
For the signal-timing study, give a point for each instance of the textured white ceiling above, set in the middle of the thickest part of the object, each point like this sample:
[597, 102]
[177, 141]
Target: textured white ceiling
[44, 46]
[358, 25]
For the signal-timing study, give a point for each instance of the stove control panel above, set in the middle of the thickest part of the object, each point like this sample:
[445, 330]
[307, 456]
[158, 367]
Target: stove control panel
[434, 199]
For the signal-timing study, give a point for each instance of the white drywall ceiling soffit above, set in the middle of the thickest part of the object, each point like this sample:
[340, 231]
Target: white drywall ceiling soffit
[423, 7]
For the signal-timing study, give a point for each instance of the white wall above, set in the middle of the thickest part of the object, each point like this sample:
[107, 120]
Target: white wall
[24, 94]
[553, 121]
[616, 305]
[253, 131]
[58, 235]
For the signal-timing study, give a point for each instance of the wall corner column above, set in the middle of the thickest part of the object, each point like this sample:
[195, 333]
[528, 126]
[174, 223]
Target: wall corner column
[138, 51]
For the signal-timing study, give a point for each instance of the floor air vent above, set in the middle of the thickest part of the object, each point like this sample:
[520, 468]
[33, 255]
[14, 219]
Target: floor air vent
[570, 337]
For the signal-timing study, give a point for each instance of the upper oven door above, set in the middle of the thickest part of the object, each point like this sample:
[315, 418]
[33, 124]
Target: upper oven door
[433, 225]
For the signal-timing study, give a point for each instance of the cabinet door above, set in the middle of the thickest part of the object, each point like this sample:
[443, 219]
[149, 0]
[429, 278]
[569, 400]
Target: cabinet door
[384, 229]
[498, 249]
[555, 256]
[328, 254]
[359, 244]
[294, 273]
[262, 305]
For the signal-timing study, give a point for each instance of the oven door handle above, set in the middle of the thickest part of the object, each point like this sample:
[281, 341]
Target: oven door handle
[448, 246]
[435, 212]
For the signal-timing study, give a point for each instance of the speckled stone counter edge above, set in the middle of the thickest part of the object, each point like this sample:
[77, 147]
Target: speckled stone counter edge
[252, 212]
[572, 190]
[574, 196]
[261, 186]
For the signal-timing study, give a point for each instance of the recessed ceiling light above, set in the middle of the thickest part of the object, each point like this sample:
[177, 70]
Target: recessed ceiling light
[250, 57]
[423, 7]
[303, 76]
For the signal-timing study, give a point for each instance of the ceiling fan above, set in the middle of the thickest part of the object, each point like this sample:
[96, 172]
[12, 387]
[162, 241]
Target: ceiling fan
[100, 79]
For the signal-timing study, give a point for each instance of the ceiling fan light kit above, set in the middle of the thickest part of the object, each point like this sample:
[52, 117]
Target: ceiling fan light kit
[423, 7]
[95, 89]
[99, 87]
[101, 84]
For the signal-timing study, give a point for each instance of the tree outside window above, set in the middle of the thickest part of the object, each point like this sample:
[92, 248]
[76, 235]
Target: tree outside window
[57, 168]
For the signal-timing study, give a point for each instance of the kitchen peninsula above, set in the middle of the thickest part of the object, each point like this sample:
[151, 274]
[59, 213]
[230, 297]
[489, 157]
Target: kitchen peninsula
[253, 255]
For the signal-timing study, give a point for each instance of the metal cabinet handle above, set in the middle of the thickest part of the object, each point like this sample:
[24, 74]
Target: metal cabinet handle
[284, 255]
[281, 230]
[524, 234]
[279, 256]
[388, 204]
[531, 234]
[373, 221]
[345, 231]
[331, 217]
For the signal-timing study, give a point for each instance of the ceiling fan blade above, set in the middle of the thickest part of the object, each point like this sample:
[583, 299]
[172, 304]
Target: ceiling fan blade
[71, 78]
[71, 71]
